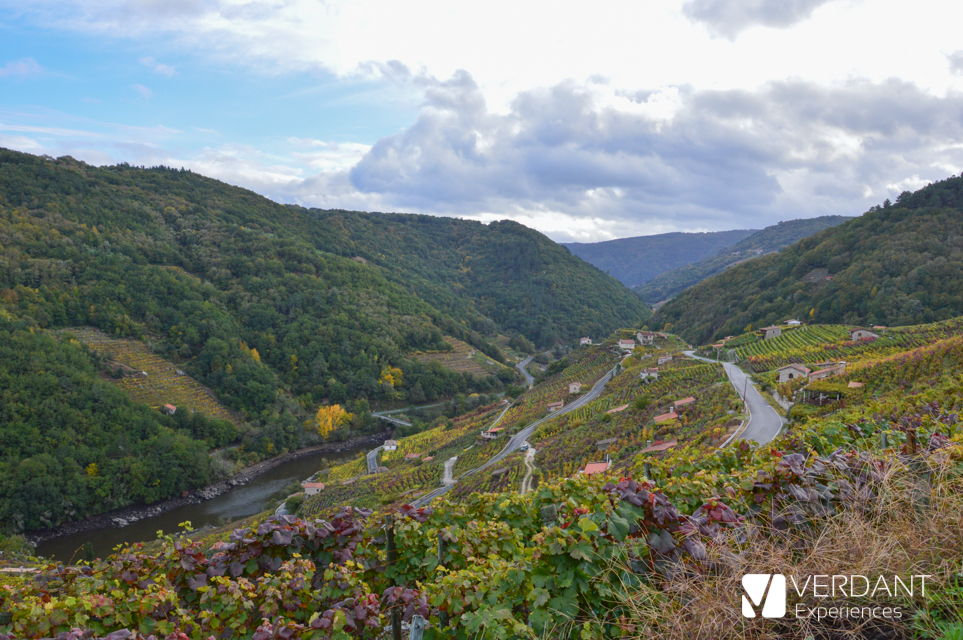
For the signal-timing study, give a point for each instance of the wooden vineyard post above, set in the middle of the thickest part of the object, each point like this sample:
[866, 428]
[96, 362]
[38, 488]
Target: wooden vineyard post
[911, 442]
[442, 615]
[392, 558]
[417, 627]
[882, 440]
[647, 468]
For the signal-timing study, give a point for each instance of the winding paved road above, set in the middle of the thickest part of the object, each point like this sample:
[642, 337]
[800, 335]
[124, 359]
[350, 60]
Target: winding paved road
[521, 367]
[373, 459]
[521, 437]
[764, 423]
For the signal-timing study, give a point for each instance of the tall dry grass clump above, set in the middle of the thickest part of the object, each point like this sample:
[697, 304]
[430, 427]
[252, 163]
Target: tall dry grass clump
[909, 521]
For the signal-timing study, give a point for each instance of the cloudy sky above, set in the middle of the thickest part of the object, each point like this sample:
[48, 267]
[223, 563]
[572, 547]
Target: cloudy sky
[587, 121]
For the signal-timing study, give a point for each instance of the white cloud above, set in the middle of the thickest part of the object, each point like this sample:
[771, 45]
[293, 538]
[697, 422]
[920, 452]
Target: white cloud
[23, 68]
[163, 69]
[143, 92]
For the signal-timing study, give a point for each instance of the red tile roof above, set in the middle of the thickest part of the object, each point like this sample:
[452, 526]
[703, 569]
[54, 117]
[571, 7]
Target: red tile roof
[665, 417]
[595, 467]
[660, 447]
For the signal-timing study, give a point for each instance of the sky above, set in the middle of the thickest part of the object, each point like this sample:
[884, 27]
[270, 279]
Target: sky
[586, 121]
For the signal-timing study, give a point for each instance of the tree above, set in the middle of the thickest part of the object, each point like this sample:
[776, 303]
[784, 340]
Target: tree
[328, 419]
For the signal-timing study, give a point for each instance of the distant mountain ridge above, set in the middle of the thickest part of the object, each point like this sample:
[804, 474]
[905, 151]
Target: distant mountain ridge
[897, 264]
[772, 238]
[634, 261]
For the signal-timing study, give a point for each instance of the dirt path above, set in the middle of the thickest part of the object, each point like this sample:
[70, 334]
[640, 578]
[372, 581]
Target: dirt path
[529, 470]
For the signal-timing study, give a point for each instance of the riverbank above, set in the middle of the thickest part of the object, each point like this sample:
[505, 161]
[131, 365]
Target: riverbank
[123, 517]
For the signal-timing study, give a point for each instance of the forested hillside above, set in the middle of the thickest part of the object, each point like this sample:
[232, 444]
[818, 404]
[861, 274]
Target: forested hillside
[277, 309]
[635, 261]
[502, 275]
[898, 264]
[773, 238]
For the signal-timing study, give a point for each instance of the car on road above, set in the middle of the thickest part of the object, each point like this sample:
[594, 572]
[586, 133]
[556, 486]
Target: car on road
[524, 447]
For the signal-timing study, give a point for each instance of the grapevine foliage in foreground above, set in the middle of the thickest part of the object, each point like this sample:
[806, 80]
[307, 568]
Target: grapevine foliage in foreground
[504, 573]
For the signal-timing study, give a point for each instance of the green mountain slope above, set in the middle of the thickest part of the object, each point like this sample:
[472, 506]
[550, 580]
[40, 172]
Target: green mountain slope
[500, 276]
[670, 283]
[895, 265]
[634, 261]
[277, 309]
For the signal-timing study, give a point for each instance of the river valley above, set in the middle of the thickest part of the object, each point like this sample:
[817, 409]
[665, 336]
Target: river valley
[261, 493]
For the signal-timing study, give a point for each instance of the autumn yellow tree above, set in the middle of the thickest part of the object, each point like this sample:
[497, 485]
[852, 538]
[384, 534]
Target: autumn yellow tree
[391, 376]
[329, 419]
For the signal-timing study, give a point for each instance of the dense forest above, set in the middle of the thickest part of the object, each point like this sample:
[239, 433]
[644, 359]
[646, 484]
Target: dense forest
[277, 309]
[900, 263]
[634, 261]
[772, 238]
[503, 276]
[74, 444]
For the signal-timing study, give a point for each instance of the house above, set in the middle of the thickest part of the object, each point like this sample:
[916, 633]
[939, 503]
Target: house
[555, 406]
[312, 488]
[665, 417]
[681, 405]
[651, 373]
[391, 445]
[618, 409]
[834, 370]
[858, 333]
[660, 446]
[663, 359]
[575, 387]
[791, 372]
[413, 456]
[770, 332]
[645, 337]
[584, 341]
[793, 323]
[626, 345]
[492, 433]
[170, 409]
[595, 467]
[602, 445]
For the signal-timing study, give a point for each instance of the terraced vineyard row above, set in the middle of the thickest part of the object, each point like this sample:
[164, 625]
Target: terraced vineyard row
[463, 358]
[162, 384]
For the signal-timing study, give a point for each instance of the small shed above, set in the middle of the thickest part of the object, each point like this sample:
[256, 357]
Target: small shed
[791, 372]
[651, 373]
[663, 360]
[585, 341]
[770, 332]
[665, 417]
[492, 433]
[170, 409]
[413, 456]
[312, 488]
[602, 445]
[595, 467]
[681, 405]
[391, 445]
[555, 406]
[793, 323]
[575, 387]
[858, 333]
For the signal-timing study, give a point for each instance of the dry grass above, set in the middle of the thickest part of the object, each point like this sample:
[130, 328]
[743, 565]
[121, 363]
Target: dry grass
[913, 526]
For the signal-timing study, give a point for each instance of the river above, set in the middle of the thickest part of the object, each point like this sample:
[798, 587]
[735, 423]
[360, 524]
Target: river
[261, 493]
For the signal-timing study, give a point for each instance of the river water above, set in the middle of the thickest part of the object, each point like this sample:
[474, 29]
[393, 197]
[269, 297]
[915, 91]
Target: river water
[261, 493]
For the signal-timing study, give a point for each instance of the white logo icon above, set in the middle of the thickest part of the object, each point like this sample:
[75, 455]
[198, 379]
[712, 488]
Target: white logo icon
[766, 589]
